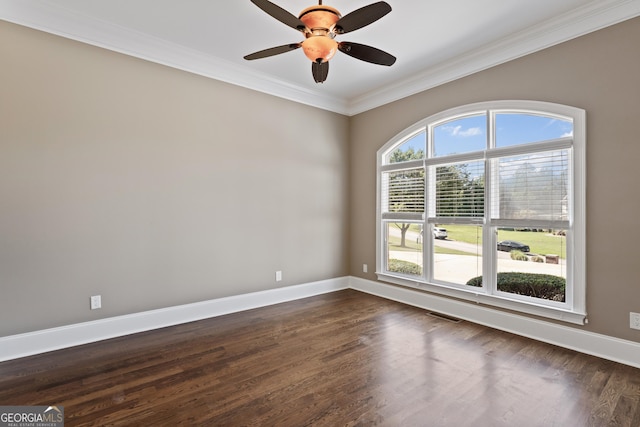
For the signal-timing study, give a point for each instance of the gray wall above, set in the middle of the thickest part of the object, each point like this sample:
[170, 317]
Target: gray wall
[600, 73]
[154, 187]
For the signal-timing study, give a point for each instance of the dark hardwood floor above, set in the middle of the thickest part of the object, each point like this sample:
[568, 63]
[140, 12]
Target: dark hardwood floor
[344, 358]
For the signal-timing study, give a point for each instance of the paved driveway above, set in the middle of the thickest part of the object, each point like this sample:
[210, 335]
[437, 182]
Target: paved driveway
[461, 268]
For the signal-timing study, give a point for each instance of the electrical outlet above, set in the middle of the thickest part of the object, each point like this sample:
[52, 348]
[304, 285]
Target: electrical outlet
[365, 268]
[96, 302]
[278, 276]
[634, 320]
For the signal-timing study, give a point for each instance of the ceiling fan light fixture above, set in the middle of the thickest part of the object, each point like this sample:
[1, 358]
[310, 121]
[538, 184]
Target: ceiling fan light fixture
[320, 25]
[319, 16]
[319, 48]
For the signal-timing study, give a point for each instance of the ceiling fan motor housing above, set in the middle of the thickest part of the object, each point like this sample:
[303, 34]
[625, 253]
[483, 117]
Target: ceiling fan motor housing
[319, 45]
[320, 25]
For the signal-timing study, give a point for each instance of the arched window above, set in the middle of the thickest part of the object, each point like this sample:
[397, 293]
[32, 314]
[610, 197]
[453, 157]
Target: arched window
[485, 202]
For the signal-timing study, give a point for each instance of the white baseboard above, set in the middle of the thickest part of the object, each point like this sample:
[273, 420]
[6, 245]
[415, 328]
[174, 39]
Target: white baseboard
[28, 344]
[606, 347]
[602, 346]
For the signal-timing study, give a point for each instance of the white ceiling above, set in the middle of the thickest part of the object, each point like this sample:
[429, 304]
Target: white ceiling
[435, 41]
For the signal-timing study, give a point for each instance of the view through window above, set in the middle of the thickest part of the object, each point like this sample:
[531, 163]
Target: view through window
[488, 200]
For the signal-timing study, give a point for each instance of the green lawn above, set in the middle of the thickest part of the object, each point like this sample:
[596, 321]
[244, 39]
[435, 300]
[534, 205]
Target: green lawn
[441, 250]
[540, 243]
[412, 246]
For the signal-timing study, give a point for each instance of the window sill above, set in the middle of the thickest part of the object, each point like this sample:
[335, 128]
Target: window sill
[488, 300]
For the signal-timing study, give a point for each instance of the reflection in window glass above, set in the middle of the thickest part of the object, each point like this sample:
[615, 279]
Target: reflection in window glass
[457, 253]
[460, 136]
[534, 186]
[518, 128]
[532, 262]
[411, 149]
[404, 248]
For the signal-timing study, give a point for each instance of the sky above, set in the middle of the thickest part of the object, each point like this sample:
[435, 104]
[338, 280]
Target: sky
[470, 133]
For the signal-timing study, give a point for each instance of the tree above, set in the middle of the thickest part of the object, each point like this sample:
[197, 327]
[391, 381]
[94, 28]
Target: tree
[406, 194]
[473, 197]
[458, 193]
[399, 156]
[404, 227]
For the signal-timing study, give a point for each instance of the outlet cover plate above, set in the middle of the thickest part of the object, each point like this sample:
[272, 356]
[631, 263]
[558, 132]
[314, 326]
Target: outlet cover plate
[634, 320]
[96, 302]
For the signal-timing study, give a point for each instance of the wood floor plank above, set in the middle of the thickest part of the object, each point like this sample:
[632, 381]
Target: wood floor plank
[344, 358]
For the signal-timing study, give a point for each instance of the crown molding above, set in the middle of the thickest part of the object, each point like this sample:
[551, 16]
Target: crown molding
[586, 19]
[46, 16]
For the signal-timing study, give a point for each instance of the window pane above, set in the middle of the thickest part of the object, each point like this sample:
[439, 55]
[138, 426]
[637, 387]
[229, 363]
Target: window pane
[457, 253]
[533, 186]
[404, 248]
[466, 174]
[460, 190]
[411, 149]
[403, 191]
[460, 136]
[532, 262]
[518, 128]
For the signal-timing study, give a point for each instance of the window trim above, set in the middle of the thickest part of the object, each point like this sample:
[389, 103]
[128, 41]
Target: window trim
[574, 310]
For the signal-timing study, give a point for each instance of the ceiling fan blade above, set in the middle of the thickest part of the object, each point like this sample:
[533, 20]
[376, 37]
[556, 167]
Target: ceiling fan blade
[272, 51]
[280, 14]
[367, 53]
[320, 71]
[362, 17]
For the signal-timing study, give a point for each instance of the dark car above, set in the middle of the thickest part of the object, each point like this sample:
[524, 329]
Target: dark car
[512, 245]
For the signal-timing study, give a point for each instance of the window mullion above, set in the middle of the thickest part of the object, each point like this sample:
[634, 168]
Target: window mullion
[429, 201]
[528, 167]
[491, 193]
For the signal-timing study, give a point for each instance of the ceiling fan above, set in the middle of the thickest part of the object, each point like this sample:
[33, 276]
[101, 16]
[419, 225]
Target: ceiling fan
[320, 25]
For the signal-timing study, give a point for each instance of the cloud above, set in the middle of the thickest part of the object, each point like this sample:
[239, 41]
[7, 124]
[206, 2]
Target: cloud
[458, 131]
[566, 134]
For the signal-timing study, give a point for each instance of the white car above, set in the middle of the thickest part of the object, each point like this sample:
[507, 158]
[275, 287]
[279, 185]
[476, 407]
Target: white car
[439, 233]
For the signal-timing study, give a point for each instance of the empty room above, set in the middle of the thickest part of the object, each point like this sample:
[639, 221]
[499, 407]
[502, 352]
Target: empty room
[258, 213]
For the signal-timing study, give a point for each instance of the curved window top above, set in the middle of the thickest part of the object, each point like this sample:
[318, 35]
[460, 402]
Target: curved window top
[461, 135]
[456, 188]
[513, 128]
[475, 128]
[411, 148]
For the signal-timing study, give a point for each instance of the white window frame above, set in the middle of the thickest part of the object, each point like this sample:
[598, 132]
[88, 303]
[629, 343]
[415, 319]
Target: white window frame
[573, 310]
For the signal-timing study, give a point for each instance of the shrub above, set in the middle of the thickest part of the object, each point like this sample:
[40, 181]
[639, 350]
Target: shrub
[543, 286]
[404, 267]
[519, 256]
[537, 258]
[476, 281]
